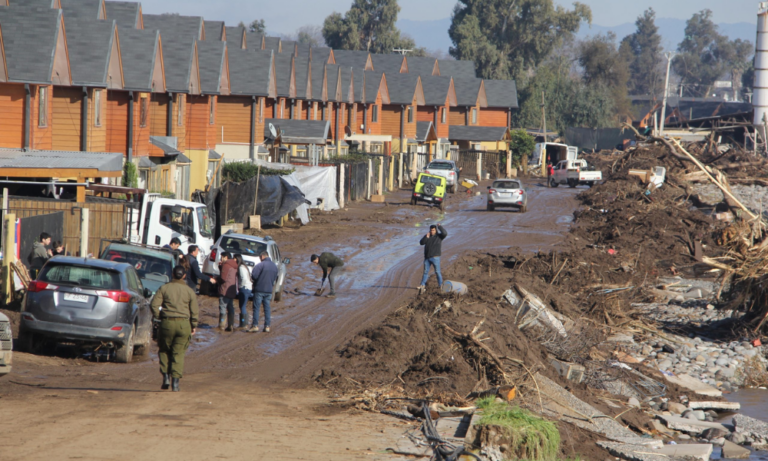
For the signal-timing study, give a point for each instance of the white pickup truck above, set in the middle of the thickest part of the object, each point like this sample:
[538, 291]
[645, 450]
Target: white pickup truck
[574, 173]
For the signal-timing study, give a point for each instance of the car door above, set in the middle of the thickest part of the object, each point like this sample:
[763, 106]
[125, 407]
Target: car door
[142, 303]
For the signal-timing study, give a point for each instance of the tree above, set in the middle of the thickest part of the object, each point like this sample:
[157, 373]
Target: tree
[604, 70]
[310, 35]
[642, 50]
[705, 55]
[257, 26]
[368, 25]
[521, 144]
[507, 38]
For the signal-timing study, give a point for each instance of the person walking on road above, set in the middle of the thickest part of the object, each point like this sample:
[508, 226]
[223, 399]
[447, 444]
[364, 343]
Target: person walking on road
[195, 274]
[264, 278]
[227, 291]
[175, 306]
[244, 289]
[39, 254]
[433, 243]
[332, 265]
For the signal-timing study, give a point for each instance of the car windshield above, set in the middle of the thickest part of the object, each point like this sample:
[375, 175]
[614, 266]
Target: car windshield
[439, 166]
[82, 276]
[506, 185]
[153, 272]
[431, 180]
[242, 246]
[204, 222]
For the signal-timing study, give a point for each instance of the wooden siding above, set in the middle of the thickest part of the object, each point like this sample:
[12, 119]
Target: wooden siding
[12, 115]
[67, 108]
[390, 120]
[141, 133]
[427, 114]
[456, 116]
[106, 221]
[410, 128]
[180, 131]
[233, 119]
[158, 123]
[376, 127]
[97, 135]
[41, 136]
[198, 122]
[117, 122]
[493, 117]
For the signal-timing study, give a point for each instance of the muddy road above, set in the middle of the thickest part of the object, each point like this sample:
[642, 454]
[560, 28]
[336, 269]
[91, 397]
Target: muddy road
[233, 378]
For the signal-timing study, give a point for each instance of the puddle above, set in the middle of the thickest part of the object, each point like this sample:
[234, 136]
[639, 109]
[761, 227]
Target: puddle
[754, 403]
[565, 219]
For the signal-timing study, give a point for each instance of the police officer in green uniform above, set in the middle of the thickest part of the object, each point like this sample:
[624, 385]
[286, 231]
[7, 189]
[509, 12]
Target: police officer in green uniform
[175, 304]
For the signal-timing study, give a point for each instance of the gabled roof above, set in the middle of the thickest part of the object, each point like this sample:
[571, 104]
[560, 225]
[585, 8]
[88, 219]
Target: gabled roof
[94, 53]
[252, 73]
[35, 45]
[213, 67]
[214, 30]
[347, 85]
[477, 133]
[36, 3]
[375, 83]
[50, 159]
[88, 9]
[456, 69]
[333, 83]
[437, 90]
[350, 58]
[179, 35]
[302, 48]
[143, 61]
[272, 43]
[286, 77]
[501, 93]
[403, 88]
[423, 66]
[358, 77]
[287, 46]
[319, 89]
[127, 14]
[425, 131]
[254, 41]
[235, 37]
[389, 63]
[3, 67]
[303, 77]
[321, 54]
[469, 91]
[300, 131]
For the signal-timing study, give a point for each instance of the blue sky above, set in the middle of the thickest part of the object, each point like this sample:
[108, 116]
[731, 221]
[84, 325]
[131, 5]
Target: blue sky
[285, 16]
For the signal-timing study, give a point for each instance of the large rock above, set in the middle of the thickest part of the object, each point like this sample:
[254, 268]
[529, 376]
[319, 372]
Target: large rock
[750, 427]
[733, 451]
[691, 426]
[712, 433]
[634, 452]
[730, 406]
[700, 451]
[691, 383]
[676, 408]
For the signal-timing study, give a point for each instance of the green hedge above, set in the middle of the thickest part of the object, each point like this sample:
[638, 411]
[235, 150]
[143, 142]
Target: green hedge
[240, 172]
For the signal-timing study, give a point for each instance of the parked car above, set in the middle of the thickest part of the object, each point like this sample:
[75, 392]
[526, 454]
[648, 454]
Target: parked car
[507, 193]
[429, 188]
[251, 248]
[446, 169]
[154, 265]
[6, 345]
[574, 173]
[88, 302]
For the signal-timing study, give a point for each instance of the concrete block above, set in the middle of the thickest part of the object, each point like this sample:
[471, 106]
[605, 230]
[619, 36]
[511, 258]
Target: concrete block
[733, 451]
[377, 199]
[691, 426]
[570, 371]
[691, 383]
[729, 406]
[700, 451]
[254, 222]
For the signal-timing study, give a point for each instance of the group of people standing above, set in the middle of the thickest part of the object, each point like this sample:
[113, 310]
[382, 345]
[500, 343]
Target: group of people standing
[237, 281]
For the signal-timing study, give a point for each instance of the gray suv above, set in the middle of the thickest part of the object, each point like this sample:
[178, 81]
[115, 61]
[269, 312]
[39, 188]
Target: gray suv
[88, 302]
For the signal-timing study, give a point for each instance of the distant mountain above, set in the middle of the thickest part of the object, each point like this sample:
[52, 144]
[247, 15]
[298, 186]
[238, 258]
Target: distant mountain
[433, 35]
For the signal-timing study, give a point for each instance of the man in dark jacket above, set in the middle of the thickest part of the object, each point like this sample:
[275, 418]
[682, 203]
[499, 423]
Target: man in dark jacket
[195, 274]
[40, 254]
[433, 243]
[227, 291]
[329, 261]
[264, 276]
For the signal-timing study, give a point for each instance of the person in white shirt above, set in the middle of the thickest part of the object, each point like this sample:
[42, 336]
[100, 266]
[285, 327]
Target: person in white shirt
[244, 289]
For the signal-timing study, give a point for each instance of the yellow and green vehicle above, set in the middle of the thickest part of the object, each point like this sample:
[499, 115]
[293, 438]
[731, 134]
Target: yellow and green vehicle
[431, 189]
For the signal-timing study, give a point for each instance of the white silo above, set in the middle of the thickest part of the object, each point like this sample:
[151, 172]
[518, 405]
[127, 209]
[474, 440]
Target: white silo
[760, 97]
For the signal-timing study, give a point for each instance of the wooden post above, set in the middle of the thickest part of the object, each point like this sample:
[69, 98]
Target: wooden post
[9, 254]
[255, 221]
[84, 221]
[400, 171]
[341, 185]
[479, 167]
[370, 177]
[381, 175]
[509, 164]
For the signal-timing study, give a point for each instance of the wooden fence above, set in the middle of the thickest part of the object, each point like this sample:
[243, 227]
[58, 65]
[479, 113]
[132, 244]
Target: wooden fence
[106, 221]
[493, 163]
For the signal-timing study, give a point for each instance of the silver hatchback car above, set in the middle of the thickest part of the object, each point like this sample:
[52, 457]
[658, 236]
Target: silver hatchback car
[87, 302]
[507, 193]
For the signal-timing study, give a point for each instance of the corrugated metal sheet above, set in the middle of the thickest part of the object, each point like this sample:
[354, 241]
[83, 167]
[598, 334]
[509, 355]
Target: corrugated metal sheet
[102, 161]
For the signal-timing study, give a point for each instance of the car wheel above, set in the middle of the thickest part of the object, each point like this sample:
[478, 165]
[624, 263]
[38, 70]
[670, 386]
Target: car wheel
[490, 207]
[553, 183]
[413, 201]
[571, 183]
[278, 295]
[453, 189]
[524, 209]
[142, 349]
[27, 341]
[429, 189]
[124, 353]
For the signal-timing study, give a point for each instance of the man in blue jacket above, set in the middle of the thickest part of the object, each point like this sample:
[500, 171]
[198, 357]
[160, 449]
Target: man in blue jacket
[264, 276]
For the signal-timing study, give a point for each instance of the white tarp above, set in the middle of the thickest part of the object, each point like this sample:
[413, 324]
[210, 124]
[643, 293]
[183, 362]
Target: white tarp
[313, 181]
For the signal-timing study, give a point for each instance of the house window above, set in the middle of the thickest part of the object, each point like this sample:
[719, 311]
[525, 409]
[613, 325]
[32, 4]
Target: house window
[212, 115]
[375, 114]
[97, 108]
[180, 103]
[474, 116]
[143, 112]
[442, 115]
[410, 114]
[314, 111]
[42, 118]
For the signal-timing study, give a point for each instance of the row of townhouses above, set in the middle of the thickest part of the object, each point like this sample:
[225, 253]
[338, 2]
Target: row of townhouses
[86, 85]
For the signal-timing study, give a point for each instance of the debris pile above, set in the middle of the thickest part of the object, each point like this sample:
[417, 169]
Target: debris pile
[633, 328]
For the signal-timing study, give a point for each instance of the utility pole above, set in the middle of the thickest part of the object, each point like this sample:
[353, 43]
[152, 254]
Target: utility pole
[669, 55]
[543, 155]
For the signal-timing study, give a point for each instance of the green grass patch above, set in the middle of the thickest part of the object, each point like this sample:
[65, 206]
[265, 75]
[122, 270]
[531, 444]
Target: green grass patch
[530, 437]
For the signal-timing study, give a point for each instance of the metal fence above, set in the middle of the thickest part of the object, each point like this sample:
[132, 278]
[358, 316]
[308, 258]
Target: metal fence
[493, 163]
